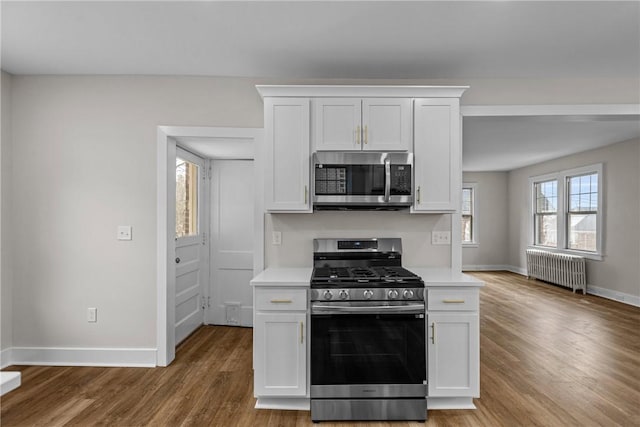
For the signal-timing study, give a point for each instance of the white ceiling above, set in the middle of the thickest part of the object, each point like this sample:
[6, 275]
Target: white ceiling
[353, 39]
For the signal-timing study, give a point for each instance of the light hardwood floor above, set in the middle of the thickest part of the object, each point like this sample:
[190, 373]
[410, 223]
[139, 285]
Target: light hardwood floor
[548, 358]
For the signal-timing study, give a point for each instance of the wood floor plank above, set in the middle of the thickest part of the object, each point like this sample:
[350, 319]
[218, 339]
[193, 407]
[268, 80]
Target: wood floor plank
[548, 358]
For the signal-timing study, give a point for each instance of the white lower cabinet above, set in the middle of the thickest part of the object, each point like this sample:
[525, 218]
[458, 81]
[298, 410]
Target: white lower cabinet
[453, 343]
[280, 343]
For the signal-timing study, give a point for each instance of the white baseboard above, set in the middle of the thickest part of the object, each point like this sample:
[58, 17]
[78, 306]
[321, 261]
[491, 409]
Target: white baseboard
[511, 268]
[283, 403]
[438, 403]
[9, 381]
[6, 356]
[591, 289]
[69, 356]
[614, 295]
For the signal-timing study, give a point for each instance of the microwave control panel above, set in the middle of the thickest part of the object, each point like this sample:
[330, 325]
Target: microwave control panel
[401, 180]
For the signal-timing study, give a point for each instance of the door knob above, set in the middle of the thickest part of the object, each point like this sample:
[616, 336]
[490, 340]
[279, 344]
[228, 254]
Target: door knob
[177, 260]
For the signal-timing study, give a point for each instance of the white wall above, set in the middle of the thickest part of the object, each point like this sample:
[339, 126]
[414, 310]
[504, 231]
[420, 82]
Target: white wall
[620, 269]
[299, 230]
[84, 162]
[491, 216]
[6, 279]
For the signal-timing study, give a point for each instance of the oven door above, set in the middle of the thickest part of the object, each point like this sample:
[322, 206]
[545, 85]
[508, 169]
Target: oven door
[364, 354]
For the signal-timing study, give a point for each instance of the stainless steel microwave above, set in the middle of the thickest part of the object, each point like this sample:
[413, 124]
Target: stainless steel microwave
[362, 180]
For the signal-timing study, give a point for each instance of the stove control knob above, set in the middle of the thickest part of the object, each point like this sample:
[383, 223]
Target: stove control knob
[393, 294]
[327, 295]
[344, 294]
[367, 294]
[407, 294]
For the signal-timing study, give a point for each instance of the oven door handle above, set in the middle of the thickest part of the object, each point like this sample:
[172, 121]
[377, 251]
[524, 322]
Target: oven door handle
[377, 309]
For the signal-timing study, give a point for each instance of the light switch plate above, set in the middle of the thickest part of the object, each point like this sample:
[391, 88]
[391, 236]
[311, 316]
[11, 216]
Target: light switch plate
[124, 232]
[92, 314]
[276, 238]
[440, 237]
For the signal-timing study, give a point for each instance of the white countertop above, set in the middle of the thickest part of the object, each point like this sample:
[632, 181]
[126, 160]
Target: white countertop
[445, 277]
[283, 276]
[300, 277]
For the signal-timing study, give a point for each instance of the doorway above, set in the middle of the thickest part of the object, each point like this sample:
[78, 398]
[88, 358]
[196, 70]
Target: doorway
[220, 144]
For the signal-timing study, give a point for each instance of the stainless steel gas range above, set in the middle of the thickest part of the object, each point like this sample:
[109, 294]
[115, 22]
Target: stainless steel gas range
[368, 353]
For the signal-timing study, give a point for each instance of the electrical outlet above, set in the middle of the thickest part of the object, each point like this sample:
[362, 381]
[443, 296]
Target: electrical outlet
[92, 314]
[124, 232]
[440, 237]
[276, 238]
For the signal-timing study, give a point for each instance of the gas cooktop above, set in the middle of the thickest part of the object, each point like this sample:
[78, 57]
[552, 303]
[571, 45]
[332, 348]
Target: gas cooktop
[385, 276]
[361, 263]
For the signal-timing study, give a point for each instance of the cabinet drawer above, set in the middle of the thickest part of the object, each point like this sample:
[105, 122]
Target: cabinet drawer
[452, 299]
[281, 299]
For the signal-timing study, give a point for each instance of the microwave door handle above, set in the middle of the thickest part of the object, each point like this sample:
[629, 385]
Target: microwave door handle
[387, 180]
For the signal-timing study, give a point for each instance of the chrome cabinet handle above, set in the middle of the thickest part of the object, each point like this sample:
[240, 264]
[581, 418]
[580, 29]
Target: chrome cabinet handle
[357, 135]
[366, 134]
[418, 191]
[306, 194]
[453, 301]
[281, 301]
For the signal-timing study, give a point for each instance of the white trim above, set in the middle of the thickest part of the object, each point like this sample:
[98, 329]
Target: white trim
[474, 215]
[437, 403]
[377, 91]
[497, 267]
[551, 110]
[614, 295]
[6, 357]
[165, 284]
[9, 381]
[592, 290]
[75, 356]
[283, 403]
[561, 213]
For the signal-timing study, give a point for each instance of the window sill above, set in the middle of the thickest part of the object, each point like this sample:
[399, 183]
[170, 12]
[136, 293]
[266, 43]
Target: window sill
[470, 245]
[586, 255]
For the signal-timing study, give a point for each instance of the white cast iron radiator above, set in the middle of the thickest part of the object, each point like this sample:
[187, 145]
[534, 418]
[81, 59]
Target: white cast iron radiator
[562, 269]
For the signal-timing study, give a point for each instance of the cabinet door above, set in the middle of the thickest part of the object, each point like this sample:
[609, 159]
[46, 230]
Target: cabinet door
[386, 124]
[286, 123]
[437, 155]
[337, 124]
[453, 352]
[280, 354]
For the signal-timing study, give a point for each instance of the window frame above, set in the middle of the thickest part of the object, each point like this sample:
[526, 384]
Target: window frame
[536, 214]
[473, 243]
[562, 211]
[200, 164]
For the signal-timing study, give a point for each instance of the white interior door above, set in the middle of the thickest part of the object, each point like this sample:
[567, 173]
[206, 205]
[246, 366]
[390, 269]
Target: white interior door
[232, 242]
[191, 248]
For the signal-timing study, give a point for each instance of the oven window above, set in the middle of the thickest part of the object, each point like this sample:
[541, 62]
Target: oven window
[367, 349]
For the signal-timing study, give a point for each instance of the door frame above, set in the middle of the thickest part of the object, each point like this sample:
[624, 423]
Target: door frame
[167, 140]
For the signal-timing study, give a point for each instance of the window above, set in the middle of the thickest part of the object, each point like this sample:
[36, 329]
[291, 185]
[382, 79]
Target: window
[186, 198]
[583, 212]
[566, 208]
[468, 214]
[546, 213]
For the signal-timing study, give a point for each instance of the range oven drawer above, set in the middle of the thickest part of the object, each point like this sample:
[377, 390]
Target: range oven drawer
[449, 299]
[279, 299]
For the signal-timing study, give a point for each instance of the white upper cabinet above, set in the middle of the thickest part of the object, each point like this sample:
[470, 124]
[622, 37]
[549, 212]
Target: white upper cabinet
[354, 124]
[437, 155]
[286, 154]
